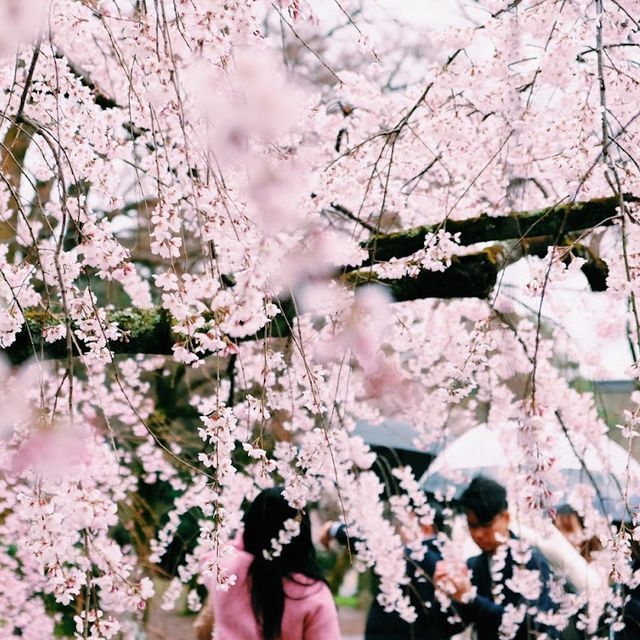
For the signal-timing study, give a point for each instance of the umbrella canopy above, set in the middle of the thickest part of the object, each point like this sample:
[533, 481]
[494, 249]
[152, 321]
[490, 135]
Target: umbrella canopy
[394, 444]
[481, 450]
[388, 433]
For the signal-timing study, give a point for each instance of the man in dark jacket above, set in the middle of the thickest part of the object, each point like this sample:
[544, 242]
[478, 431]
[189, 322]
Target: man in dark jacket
[631, 610]
[432, 623]
[511, 579]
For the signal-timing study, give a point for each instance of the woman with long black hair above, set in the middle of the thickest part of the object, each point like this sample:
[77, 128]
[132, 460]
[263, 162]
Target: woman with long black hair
[279, 593]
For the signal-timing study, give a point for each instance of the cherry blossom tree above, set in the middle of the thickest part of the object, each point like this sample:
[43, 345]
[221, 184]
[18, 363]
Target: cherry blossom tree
[228, 231]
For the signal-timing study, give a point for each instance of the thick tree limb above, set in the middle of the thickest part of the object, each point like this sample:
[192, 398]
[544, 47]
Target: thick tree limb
[13, 150]
[149, 331]
[471, 275]
[553, 222]
[468, 276]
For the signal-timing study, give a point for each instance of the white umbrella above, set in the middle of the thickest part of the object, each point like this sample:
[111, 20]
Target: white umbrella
[481, 450]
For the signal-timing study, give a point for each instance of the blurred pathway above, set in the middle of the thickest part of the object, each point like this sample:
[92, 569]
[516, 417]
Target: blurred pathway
[164, 625]
[351, 623]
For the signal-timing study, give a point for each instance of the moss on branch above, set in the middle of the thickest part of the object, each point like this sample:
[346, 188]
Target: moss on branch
[145, 330]
[149, 331]
[552, 222]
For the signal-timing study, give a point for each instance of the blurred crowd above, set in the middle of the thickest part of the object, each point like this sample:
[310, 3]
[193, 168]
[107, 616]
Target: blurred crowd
[523, 584]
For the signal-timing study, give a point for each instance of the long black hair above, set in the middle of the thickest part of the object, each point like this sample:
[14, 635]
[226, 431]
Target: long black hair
[263, 522]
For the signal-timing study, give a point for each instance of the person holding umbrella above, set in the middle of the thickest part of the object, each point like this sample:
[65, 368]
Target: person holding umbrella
[504, 592]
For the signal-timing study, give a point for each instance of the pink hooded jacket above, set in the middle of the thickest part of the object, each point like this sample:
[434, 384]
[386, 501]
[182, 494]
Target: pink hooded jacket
[309, 610]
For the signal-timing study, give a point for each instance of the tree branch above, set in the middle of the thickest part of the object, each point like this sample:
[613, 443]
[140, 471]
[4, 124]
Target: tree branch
[469, 276]
[149, 331]
[576, 216]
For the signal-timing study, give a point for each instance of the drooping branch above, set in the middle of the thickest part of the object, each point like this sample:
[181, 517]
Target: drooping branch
[552, 221]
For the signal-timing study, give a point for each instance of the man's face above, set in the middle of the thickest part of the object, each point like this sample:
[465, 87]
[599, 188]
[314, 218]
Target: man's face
[489, 535]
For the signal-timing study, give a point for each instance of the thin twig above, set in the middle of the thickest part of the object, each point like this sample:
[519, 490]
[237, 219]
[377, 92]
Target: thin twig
[582, 463]
[307, 46]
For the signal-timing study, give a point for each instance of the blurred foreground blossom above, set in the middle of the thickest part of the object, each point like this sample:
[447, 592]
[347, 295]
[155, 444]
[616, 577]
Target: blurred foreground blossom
[364, 320]
[20, 22]
[366, 324]
[50, 452]
[248, 101]
[14, 397]
[276, 189]
[251, 114]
